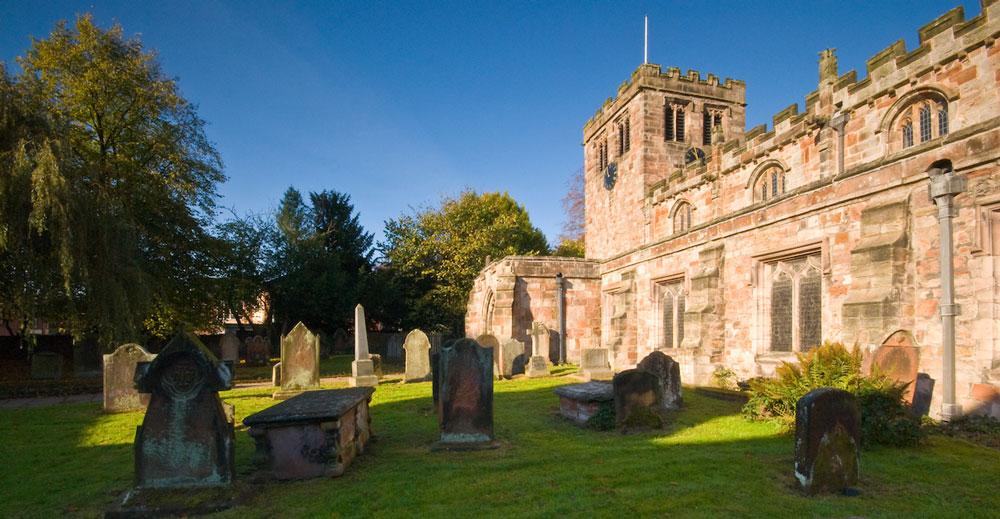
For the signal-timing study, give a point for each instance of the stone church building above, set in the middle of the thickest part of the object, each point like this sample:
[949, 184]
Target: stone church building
[736, 248]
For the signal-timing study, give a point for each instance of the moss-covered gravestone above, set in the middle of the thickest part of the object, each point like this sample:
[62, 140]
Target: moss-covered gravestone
[299, 362]
[418, 364]
[185, 439]
[669, 372]
[119, 379]
[638, 400]
[465, 396]
[827, 441]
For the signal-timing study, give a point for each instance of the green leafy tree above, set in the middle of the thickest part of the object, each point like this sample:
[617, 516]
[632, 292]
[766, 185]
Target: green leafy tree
[114, 191]
[435, 254]
[322, 261]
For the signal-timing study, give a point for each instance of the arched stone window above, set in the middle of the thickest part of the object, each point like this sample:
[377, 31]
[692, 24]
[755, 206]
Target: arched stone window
[682, 217]
[488, 311]
[916, 118]
[769, 184]
[794, 303]
[671, 297]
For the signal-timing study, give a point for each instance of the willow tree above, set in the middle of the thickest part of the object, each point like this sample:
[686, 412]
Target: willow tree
[114, 192]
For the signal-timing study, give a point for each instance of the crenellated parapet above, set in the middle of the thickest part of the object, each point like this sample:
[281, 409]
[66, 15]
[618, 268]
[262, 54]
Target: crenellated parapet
[652, 76]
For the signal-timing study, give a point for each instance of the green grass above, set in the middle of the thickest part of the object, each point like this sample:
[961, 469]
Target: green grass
[334, 366]
[709, 463]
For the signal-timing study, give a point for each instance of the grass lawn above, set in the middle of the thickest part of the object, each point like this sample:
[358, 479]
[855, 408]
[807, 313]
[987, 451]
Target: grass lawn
[334, 366]
[75, 460]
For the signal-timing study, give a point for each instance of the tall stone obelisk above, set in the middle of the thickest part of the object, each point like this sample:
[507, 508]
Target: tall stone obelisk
[362, 369]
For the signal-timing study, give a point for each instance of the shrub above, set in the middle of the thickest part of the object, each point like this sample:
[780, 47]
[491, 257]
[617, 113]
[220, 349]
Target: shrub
[983, 430]
[885, 418]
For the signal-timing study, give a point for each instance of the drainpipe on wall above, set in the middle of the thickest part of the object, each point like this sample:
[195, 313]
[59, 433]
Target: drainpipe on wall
[561, 305]
[837, 123]
[944, 186]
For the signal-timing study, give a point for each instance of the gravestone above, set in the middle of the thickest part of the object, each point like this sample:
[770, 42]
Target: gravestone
[341, 341]
[119, 379]
[594, 364]
[899, 359]
[487, 340]
[827, 440]
[230, 347]
[511, 359]
[185, 439]
[465, 396]
[923, 391]
[418, 366]
[436, 375]
[86, 359]
[46, 365]
[317, 433]
[276, 374]
[669, 372]
[258, 351]
[362, 369]
[638, 400]
[299, 366]
[538, 363]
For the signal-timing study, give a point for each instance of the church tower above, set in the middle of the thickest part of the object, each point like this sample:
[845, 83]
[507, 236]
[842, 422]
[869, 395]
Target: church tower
[659, 122]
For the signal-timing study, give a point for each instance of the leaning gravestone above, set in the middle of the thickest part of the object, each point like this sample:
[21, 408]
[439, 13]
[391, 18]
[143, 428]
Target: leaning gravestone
[669, 373]
[594, 364]
[230, 347]
[258, 351]
[923, 391]
[276, 374]
[119, 379]
[638, 400]
[185, 439]
[417, 347]
[827, 440]
[465, 396]
[362, 369]
[899, 359]
[511, 358]
[299, 362]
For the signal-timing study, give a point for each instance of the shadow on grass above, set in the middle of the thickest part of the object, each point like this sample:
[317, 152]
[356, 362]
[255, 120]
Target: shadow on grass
[708, 462]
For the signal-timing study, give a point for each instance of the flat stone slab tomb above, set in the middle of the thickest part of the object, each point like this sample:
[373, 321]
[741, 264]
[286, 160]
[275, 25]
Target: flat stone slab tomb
[317, 433]
[579, 402]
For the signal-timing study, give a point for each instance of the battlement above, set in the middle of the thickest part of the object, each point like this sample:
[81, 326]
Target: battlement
[652, 76]
[944, 39]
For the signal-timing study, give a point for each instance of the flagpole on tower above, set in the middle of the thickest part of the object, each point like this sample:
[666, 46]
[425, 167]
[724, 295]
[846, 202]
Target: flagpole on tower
[645, 40]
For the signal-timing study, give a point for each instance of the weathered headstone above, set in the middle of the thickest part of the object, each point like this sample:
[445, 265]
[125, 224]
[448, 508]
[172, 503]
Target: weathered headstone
[827, 440]
[276, 374]
[258, 351]
[46, 365]
[119, 379]
[899, 359]
[487, 340]
[465, 396]
[511, 359]
[594, 364]
[230, 346]
[299, 362]
[923, 391]
[185, 439]
[317, 433]
[540, 341]
[580, 402]
[362, 369]
[638, 400]
[341, 341]
[669, 373]
[538, 363]
[418, 366]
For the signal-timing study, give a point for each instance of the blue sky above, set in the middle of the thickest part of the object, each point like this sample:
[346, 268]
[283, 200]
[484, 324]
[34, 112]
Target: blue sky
[401, 103]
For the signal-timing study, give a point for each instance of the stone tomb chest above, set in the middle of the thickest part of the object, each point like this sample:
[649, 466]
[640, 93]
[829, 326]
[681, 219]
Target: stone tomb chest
[317, 433]
[580, 402]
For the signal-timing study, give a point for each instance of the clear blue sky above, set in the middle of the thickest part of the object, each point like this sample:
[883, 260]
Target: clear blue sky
[400, 103]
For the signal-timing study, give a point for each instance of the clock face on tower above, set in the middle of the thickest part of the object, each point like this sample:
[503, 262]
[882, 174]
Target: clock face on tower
[610, 176]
